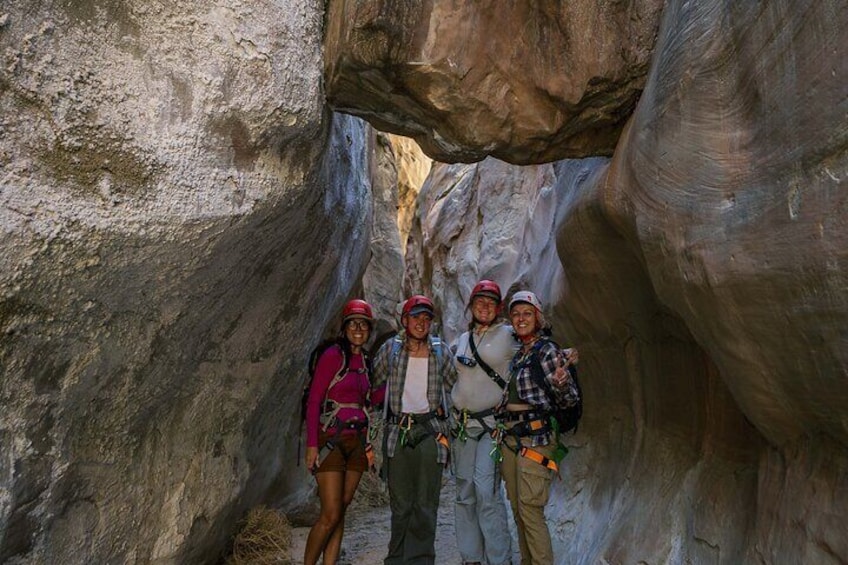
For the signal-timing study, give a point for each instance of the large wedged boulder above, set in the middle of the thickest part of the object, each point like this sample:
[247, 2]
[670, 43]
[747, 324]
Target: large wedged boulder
[523, 82]
[180, 219]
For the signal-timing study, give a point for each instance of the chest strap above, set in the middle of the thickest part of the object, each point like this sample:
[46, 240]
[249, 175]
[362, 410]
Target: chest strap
[521, 415]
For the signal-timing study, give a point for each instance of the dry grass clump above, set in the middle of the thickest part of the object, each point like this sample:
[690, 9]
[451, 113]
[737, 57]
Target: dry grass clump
[264, 539]
[372, 491]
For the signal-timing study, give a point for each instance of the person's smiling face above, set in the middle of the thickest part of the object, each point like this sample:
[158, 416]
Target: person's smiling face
[357, 332]
[523, 318]
[484, 310]
[418, 326]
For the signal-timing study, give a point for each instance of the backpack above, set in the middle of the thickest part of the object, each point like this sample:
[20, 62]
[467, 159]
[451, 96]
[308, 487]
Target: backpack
[314, 356]
[397, 343]
[565, 417]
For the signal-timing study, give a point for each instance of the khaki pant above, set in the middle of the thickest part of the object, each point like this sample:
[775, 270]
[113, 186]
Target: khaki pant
[527, 487]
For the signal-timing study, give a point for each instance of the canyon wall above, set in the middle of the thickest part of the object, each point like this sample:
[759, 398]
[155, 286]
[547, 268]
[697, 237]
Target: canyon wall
[399, 168]
[181, 219]
[701, 273]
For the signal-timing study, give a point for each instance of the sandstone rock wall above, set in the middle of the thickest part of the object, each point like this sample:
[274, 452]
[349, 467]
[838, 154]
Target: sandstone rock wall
[399, 169]
[703, 281]
[180, 220]
[413, 169]
[487, 220]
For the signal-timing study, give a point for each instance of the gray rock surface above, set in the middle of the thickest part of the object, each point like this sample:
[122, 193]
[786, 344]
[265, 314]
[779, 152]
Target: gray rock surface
[180, 218]
[398, 171]
[703, 284]
[486, 220]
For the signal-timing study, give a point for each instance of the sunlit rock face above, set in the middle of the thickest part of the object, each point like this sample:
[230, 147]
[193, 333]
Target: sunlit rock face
[179, 220]
[413, 167]
[703, 283]
[524, 82]
[398, 169]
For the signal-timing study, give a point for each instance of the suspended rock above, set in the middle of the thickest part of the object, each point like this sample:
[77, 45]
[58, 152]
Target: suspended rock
[523, 82]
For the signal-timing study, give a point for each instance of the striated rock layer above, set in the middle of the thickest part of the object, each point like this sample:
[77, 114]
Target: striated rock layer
[703, 280]
[179, 221]
[398, 170]
[487, 220]
[524, 82]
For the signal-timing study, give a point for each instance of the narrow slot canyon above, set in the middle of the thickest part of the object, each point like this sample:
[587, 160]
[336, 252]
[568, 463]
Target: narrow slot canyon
[190, 193]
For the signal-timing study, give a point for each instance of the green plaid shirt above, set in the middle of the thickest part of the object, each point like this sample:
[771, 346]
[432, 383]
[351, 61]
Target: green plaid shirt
[390, 365]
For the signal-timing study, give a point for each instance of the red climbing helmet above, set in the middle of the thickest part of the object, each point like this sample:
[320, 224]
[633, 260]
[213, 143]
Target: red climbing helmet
[486, 288]
[357, 308]
[418, 304]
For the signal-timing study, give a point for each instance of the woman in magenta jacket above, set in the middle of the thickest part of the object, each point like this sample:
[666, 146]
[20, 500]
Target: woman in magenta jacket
[337, 429]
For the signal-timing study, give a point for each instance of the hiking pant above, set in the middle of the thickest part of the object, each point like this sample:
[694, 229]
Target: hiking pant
[482, 533]
[527, 486]
[415, 480]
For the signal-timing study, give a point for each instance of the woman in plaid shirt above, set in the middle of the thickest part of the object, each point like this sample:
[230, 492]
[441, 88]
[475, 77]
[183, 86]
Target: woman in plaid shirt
[412, 370]
[528, 464]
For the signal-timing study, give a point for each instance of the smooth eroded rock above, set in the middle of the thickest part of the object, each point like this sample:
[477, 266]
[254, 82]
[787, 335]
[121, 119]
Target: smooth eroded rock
[523, 82]
[180, 219]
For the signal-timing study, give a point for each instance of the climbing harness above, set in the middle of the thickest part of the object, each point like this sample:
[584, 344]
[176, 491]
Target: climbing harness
[415, 427]
[462, 417]
[538, 458]
[330, 408]
[527, 423]
[360, 427]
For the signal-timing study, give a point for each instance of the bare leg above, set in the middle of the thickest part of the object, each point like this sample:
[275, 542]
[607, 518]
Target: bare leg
[334, 545]
[331, 494]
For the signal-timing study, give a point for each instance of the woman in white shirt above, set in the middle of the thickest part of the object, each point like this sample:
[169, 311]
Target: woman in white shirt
[482, 534]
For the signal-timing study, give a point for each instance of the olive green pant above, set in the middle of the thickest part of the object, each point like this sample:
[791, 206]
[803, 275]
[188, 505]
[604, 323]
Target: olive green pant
[415, 481]
[527, 487]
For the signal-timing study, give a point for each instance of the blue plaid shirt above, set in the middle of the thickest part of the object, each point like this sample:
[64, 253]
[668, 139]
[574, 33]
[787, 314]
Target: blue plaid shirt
[550, 357]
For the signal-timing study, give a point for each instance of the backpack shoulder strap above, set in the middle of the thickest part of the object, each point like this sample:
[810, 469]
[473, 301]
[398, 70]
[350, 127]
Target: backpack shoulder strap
[393, 354]
[537, 373]
[436, 344]
[397, 343]
[483, 365]
[438, 349]
[340, 374]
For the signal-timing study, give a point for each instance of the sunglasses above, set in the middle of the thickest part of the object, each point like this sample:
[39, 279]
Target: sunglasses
[358, 325]
[467, 361]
